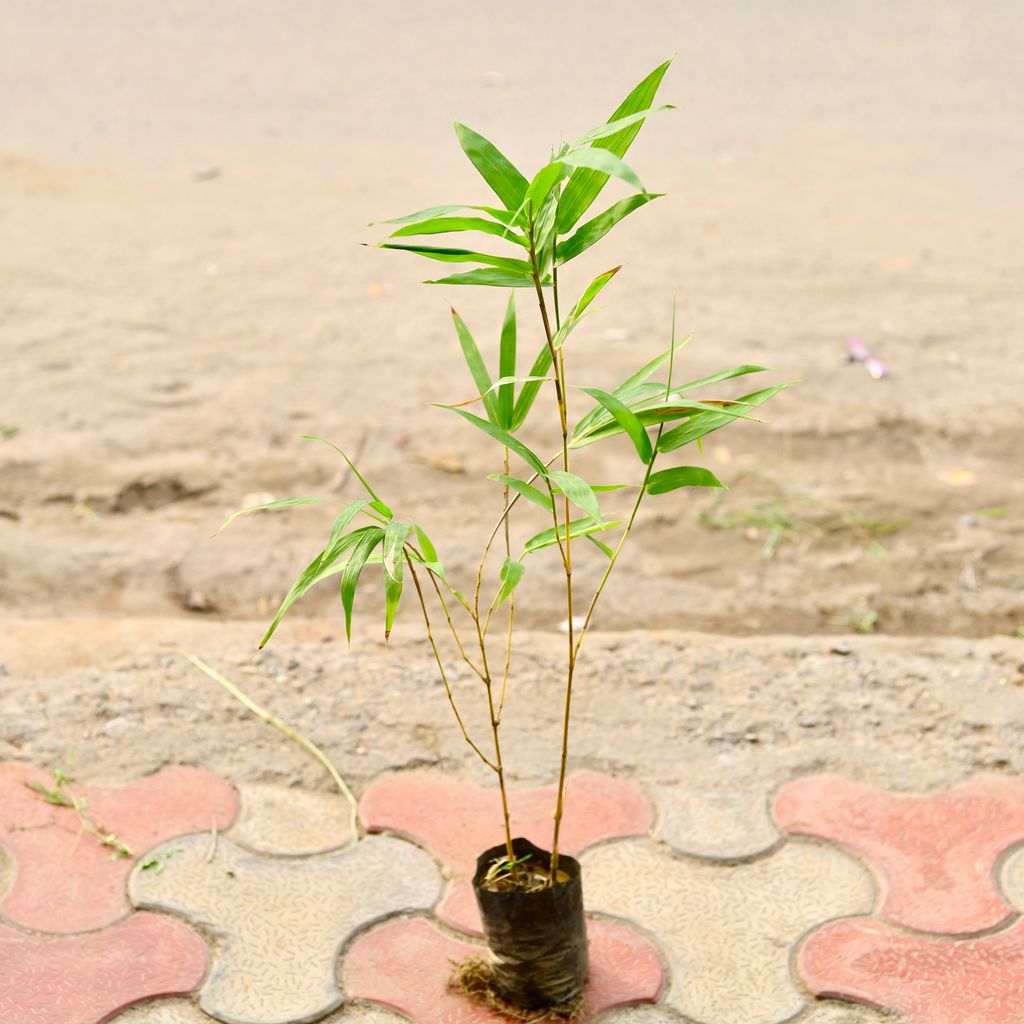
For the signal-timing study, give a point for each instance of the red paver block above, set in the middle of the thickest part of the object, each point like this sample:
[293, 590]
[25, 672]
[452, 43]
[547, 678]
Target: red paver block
[929, 980]
[64, 880]
[458, 821]
[405, 965]
[935, 854]
[85, 979]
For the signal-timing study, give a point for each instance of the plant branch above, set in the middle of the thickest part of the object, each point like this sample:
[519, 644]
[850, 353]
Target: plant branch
[444, 676]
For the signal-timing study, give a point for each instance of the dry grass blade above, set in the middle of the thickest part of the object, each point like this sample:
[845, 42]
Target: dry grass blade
[272, 719]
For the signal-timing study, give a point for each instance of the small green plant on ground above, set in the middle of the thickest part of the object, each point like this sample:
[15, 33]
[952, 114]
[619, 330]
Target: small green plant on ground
[62, 795]
[539, 223]
[791, 515]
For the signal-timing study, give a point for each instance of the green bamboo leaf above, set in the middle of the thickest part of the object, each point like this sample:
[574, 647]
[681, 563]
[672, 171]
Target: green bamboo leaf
[601, 546]
[492, 276]
[529, 492]
[699, 426]
[605, 163]
[585, 184]
[507, 183]
[503, 437]
[511, 573]
[633, 388]
[541, 187]
[613, 127]
[393, 560]
[578, 491]
[446, 225]
[477, 367]
[377, 504]
[592, 291]
[430, 213]
[321, 566]
[350, 577]
[507, 364]
[627, 419]
[666, 480]
[345, 517]
[529, 392]
[452, 255]
[577, 528]
[284, 503]
[715, 378]
[594, 230]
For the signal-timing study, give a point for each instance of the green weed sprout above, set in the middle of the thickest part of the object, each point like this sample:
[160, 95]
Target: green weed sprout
[538, 223]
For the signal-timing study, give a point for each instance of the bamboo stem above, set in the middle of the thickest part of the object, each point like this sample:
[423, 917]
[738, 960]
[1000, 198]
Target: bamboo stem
[444, 676]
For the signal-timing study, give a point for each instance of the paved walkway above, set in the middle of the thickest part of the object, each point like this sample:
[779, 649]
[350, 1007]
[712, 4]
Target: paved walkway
[829, 903]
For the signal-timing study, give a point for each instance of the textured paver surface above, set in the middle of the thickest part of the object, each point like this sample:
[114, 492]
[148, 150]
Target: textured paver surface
[64, 880]
[82, 979]
[282, 923]
[406, 964]
[457, 821]
[178, 1011]
[706, 911]
[930, 980]
[936, 853]
[715, 823]
[728, 929]
[280, 820]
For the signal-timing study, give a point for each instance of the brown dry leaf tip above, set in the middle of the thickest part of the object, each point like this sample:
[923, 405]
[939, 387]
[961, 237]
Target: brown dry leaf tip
[472, 978]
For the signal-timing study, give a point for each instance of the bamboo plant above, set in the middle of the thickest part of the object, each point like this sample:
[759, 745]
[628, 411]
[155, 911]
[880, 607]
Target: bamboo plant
[539, 223]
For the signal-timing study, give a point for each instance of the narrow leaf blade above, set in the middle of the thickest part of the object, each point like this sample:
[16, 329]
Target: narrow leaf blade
[627, 419]
[529, 492]
[705, 423]
[507, 364]
[577, 528]
[477, 367]
[504, 179]
[585, 184]
[579, 492]
[494, 277]
[447, 225]
[283, 503]
[503, 437]
[350, 577]
[594, 230]
[511, 573]
[666, 480]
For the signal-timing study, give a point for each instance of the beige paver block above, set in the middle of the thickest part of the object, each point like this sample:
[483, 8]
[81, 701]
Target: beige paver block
[649, 1014]
[1011, 879]
[728, 930]
[181, 1011]
[715, 823]
[848, 1013]
[279, 925]
[288, 821]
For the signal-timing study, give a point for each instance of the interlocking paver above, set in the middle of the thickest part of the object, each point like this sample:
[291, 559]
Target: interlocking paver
[282, 923]
[715, 823]
[728, 929]
[83, 979]
[406, 965]
[936, 853]
[458, 821]
[288, 821]
[64, 880]
[931, 980]
[849, 1013]
[177, 1011]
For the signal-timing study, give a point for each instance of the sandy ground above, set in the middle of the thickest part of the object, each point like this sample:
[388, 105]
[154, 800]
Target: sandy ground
[690, 711]
[183, 191]
[183, 188]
